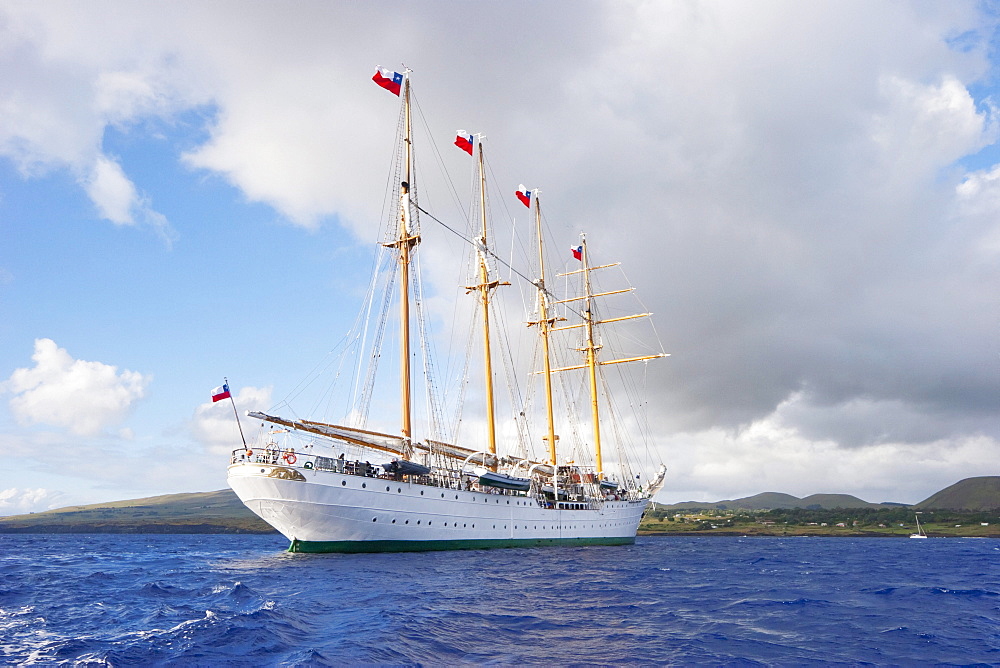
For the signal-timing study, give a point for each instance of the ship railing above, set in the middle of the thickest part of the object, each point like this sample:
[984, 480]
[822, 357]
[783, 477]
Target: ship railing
[288, 457]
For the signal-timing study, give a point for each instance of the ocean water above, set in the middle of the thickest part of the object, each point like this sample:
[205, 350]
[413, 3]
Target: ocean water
[129, 600]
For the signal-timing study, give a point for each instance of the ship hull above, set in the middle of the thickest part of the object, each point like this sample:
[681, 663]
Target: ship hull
[324, 511]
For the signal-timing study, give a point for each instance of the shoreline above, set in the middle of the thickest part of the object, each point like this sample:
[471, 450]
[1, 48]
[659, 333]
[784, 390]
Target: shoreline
[813, 534]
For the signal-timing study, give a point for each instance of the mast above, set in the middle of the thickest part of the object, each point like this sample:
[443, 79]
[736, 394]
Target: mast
[591, 350]
[484, 288]
[545, 325]
[405, 241]
[591, 346]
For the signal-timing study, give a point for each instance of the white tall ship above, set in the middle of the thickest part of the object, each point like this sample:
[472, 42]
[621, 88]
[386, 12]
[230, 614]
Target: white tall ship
[346, 488]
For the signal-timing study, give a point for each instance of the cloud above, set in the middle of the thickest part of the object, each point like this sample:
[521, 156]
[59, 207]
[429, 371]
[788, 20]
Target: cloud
[214, 424]
[789, 176]
[58, 101]
[768, 456]
[15, 501]
[111, 191]
[118, 201]
[84, 397]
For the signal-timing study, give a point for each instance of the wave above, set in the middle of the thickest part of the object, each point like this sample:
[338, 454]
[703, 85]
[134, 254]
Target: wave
[243, 601]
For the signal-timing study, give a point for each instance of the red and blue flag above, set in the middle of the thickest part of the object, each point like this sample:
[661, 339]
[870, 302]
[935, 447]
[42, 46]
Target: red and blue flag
[464, 142]
[391, 81]
[220, 393]
[524, 195]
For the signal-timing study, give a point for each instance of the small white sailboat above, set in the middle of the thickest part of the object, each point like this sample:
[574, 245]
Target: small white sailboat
[327, 496]
[920, 531]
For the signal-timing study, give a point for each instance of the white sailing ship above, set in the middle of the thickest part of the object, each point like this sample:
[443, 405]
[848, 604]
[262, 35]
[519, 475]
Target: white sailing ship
[346, 488]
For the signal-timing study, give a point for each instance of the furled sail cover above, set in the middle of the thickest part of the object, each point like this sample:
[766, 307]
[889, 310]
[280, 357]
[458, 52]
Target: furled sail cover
[370, 439]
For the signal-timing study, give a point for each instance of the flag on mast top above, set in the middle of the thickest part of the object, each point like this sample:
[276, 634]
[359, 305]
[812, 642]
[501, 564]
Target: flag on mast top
[524, 195]
[388, 79]
[464, 141]
[221, 392]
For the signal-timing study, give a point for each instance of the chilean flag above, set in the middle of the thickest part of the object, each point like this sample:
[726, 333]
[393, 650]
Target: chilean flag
[391, 81]
[220, 393]
[524, 195]
[463, 142]
[577, 252]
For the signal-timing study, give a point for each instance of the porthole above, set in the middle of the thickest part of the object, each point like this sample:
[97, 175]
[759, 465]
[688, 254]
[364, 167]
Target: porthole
[364, 485]
[418, 521]
[406, 522]
[387, 489]
[442, 495]
[456, 496]
[374, 519]
[421, 492]
[394, 521]
[343, 482]
[399, 490]
[464, 525]
[429, 522]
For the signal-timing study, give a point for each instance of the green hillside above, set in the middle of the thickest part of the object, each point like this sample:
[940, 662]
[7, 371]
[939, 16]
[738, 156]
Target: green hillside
[200, 512]
[980, 493]
[771, 500]
[223, 512]
[834, 501]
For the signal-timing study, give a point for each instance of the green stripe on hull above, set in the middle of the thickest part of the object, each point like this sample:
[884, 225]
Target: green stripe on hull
[320, 546]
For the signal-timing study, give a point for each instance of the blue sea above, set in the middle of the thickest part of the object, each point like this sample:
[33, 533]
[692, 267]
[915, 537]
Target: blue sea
[212, 600]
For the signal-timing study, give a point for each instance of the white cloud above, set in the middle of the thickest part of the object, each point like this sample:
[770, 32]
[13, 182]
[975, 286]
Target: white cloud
[57, 101]
[927, 126]
[785, 175]
[15, 501]
[769, 457]
[83, 397]
[214, 424]
[111, 191]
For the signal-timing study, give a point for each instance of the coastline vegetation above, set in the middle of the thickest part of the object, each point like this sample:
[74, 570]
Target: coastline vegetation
[893, 521]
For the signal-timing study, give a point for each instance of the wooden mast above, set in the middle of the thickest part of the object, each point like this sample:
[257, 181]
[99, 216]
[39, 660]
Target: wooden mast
[591, 350]
[545, 325]
[591, 363]
[405, 241]
[484, 288]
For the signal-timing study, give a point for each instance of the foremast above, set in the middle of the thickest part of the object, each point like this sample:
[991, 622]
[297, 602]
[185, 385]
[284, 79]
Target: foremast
[405, 242]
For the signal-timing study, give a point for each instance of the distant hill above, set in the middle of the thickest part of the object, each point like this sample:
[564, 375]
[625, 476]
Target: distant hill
[772, 500]
[826, 501]
[200, 512]
[223, 512]
[980, 493]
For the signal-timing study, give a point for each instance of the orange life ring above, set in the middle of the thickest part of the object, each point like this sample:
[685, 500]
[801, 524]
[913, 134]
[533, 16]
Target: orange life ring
[290, 457]
[249, 453]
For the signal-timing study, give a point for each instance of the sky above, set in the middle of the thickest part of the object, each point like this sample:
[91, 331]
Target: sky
[805, 195]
